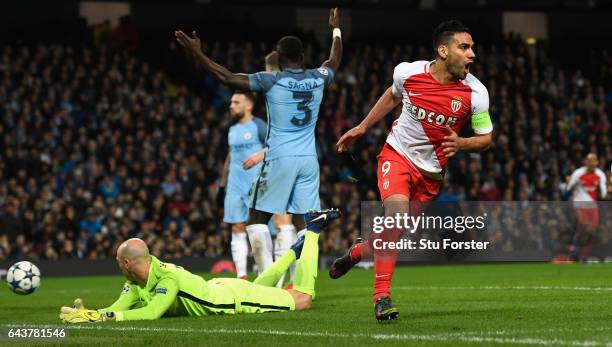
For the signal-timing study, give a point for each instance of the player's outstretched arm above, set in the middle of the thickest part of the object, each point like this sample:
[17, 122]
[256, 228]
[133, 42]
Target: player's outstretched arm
[79, 314]
[385, 104]
[193, 46]
[335, 56]
[165, 294]
[126, 300]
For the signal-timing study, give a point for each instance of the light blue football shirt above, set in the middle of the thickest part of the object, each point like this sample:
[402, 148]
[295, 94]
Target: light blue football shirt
[244, 140]
[293, 98]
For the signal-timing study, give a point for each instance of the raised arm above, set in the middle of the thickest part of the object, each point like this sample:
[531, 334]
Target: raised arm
[193, 47]
[335, 55]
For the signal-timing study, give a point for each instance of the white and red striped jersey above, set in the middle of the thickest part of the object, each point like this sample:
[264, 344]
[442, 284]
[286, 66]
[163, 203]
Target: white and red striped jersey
[587, 186]
[428, 107]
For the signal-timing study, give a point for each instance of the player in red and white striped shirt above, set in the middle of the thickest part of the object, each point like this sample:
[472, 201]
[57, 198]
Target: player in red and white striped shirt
[439, 97]
[587, 184]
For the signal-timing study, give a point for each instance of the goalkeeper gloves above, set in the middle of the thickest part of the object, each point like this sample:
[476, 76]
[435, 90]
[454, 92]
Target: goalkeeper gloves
[79, 314]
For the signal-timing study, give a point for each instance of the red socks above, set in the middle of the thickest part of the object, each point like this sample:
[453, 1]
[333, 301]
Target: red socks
[384, 260]
[356, 253]
[383, 273]
[384, 263]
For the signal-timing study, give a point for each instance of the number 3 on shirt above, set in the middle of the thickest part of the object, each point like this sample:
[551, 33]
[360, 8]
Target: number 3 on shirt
[306, 97]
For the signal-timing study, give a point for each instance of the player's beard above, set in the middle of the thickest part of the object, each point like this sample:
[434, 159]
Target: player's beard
[457, 69]
[459, 72]
[236, 117]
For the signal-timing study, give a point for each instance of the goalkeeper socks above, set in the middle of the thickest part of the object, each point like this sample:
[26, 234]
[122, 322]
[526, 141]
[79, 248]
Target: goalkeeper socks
[307, 266]
[301, 233]
[261, 244]
[272, 275]
[284, 239]
[240, 250]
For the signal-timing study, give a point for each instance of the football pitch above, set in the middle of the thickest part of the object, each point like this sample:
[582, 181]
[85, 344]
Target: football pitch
[492, 304]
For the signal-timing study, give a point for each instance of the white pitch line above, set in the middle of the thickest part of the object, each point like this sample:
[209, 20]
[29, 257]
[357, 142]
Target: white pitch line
[587, 289]
[594, 289]
[502, 332]
[399, 337]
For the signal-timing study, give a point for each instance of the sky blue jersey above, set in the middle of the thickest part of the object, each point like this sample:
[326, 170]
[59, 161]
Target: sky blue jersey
[244, 140]
[293, 98]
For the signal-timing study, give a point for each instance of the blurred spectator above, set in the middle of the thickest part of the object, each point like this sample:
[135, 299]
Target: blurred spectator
[98, 146]
[91, 224]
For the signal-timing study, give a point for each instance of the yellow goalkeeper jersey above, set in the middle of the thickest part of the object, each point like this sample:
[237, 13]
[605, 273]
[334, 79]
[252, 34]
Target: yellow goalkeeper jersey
[172, 291]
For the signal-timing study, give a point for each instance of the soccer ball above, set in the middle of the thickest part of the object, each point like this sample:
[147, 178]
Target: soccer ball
[23, 278]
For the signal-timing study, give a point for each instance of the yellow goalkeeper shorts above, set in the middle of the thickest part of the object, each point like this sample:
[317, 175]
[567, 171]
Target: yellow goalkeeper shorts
[255, 298]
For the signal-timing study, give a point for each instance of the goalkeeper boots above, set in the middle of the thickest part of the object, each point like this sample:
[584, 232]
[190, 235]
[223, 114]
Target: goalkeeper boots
[342, 265]
[316, 220]
[384, 309]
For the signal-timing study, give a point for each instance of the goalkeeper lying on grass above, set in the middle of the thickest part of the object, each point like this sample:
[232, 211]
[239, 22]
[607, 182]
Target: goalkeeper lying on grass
[155, 289]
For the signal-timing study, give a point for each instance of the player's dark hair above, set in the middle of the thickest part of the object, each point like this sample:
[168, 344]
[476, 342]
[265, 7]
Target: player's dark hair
[290, 47]
[250, 96]
[445, 31]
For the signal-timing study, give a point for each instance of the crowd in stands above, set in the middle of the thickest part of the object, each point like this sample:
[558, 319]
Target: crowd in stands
[97, 146]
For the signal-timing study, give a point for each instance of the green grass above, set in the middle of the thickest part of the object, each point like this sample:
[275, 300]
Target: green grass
[494, 304]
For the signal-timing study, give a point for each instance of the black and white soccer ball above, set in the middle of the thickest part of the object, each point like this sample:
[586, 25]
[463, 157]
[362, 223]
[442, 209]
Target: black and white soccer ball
[23, 278]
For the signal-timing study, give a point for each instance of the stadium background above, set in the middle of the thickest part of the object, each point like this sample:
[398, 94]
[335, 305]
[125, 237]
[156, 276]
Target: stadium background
[107, 132]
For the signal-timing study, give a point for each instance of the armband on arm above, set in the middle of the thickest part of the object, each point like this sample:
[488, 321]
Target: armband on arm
[481, 123]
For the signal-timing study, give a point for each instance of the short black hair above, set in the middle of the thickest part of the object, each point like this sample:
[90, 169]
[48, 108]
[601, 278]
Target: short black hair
[445, 30]
[291, 47]
[250, 96]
